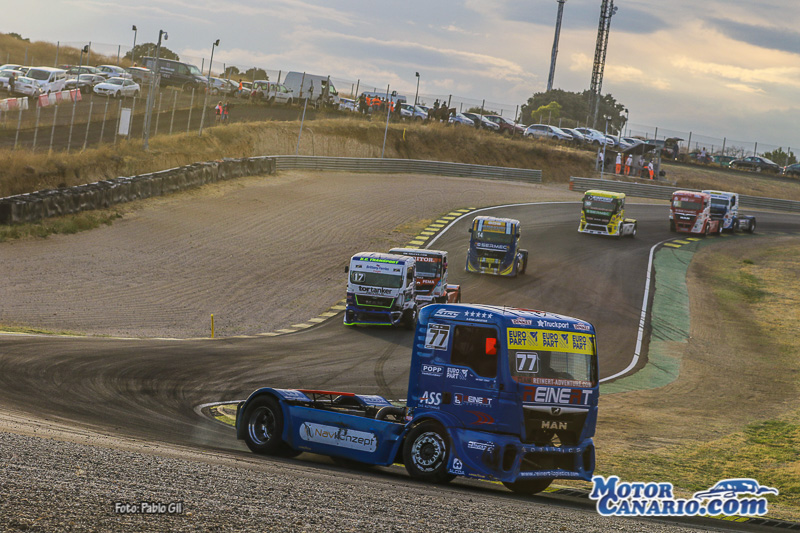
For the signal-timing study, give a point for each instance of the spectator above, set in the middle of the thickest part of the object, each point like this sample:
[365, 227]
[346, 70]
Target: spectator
[362, 104]
[218, 112]
[11, 81]
[618, 164]
[600, 161]
[628, 164]
[650, 169]
[226, 107]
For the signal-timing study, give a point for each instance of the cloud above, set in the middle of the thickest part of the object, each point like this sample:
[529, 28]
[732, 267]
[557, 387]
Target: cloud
[770, 37]
[741, 87]
[619, 74]
[779, 76]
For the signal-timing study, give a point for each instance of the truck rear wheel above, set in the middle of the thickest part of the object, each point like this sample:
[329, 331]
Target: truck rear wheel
[528, 486]
[410, 318]
[264, 420]
[426, 453]
[524, 261]
[751, 227]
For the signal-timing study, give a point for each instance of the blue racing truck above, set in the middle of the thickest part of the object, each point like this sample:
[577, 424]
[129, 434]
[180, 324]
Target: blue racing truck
[493, 393]
[494, 247]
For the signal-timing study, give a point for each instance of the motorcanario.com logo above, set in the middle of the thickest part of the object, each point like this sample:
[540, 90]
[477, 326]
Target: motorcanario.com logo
[740, 496]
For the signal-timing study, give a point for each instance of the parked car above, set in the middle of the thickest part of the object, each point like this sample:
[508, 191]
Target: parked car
[27, 87]
[141, 75]
[756, 163]
[50, 79]
[272, 93]
[83, 69]
[577, 137]
[620, 142]
[546, 131]
[84, 82]
[221, 86]
[117, 88]
[723, 160]
[460, 118]
[481, 122]
[791, 170]
[595, 137]
[113, 71]
[6, 74]
[413, 112]
[507, 125]
[347, 104]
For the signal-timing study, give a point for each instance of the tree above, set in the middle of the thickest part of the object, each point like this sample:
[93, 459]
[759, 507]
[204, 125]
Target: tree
[254, 73]
[575, 109]
[478, 111]
[231, 72]
[149, 49]
[551, 111]
[781, 157]
[18, 36]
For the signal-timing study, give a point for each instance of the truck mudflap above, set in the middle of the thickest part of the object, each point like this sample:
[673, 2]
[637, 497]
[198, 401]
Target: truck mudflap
[484, 265]
[502, 457]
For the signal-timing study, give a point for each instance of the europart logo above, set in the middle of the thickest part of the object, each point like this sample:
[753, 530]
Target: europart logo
[618, 498]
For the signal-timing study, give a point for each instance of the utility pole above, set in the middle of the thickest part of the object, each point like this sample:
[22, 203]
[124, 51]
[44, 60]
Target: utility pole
[607, 10]
[555, 45]
[151, 93]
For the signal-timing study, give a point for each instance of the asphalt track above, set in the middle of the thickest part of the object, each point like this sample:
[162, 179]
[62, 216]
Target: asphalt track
[149, 389]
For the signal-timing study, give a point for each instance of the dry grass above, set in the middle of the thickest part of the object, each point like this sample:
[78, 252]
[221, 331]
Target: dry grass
[42, 53]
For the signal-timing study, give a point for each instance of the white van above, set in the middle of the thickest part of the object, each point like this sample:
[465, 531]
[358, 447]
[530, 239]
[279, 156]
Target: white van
[49, 79]
[304, 85]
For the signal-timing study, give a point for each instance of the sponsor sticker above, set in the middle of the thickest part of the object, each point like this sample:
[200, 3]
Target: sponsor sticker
[341, 437]
[729, 497]
[558, 395]
[480, 445]
[444, 313]
[432, 370]
[519, 321]
[437, 336]
[537, 339]
[468, 399]
[457, 373]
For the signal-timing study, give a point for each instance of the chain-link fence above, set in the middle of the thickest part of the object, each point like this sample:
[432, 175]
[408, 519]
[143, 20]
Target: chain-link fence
[181, 110]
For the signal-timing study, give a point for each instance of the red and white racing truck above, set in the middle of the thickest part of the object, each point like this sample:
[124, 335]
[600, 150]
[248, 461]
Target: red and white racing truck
[431, 276]
[690, 212]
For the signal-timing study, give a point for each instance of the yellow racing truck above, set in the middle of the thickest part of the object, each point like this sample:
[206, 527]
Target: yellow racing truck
[603, 213]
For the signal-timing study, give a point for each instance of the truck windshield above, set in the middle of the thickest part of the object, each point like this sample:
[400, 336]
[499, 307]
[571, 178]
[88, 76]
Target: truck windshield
[608, 205]
[426, 269]
[374, 279]
[687, 204]
[541, 367]
[494, 237]
[719, 207]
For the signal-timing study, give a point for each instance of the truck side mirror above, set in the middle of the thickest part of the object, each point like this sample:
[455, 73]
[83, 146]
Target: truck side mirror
[516, 234]
[491, 346]
[470, 230]
[346, 269]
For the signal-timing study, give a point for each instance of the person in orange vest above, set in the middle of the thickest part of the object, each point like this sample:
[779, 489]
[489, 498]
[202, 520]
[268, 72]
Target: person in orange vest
[650, 169]
[218, 112]
[241, 87]
[225, 108]
[628, 163]
[618, 164]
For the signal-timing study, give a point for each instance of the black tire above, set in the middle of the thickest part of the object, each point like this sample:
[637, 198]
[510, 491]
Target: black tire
[528, 486]
[751, 228]
[707, 230]
[136, 94]
[410, 318]
[264, 426]
[672, 226]
[633, 233]
[426, 453]
[458, 298]
[524, 261]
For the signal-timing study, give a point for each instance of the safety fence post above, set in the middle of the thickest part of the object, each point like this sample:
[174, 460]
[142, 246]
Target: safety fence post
[19, 125]
[88, 123]
[174, 105]
[53, 130]
[103, 125]
[36, 127]
[191, 105]
[158, 113]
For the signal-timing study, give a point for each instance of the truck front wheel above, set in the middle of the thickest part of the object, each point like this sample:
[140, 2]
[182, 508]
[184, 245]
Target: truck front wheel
[426, 452]
[264, 420]
[528, 486]
[410, 318]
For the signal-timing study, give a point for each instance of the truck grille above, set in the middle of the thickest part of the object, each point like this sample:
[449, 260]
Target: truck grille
[543, 429]
[486, 254]
[373, 301]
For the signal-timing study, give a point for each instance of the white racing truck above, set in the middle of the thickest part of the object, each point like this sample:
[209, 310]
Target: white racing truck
[432, 286]
[725, 208]
[381, 290]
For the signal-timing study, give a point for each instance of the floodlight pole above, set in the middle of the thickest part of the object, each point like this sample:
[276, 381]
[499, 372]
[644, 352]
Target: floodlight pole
[208, 88]
[150, 95]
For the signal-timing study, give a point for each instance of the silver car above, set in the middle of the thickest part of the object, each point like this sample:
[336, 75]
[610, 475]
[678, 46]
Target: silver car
[547, 132]
[117, 88]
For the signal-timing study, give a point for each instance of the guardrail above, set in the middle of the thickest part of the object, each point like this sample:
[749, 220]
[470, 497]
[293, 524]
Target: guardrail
[407, 166]
[661, 192]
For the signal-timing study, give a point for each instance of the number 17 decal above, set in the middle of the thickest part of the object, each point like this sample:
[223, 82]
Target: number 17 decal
[437, 336]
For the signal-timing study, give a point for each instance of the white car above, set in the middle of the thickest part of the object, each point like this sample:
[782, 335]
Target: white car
[413, 112]
[347, 104]
[594, 137]
[459, 118]
[113, 71]
[272, 93]
[27, 86]
[117, 88]
[546, 131]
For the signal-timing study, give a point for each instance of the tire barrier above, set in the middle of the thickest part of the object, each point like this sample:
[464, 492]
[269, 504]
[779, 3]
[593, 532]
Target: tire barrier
[660, 192]
[406, 166]
[38, 205]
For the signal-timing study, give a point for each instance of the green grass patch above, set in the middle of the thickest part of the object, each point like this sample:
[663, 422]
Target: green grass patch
[36, 331]
[737, 282]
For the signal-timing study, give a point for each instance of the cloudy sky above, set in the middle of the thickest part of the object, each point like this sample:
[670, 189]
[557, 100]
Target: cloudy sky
[716, 68]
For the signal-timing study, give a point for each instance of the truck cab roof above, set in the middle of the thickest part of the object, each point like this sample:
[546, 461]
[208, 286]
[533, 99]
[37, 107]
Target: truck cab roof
[508, 317]
[378, 257]
[605, 194]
